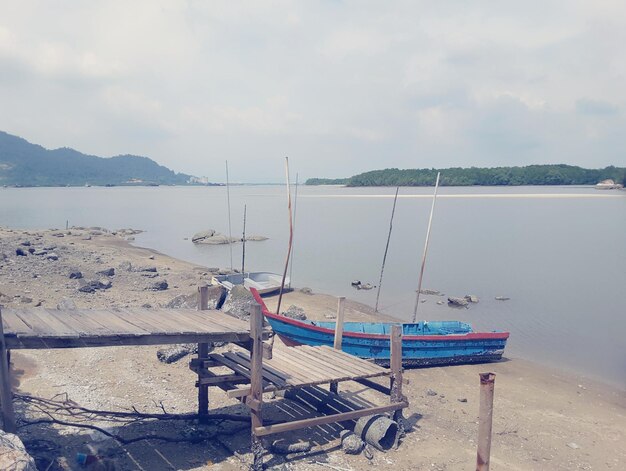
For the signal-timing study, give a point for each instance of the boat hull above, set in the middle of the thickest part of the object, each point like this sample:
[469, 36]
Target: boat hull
[417, 350]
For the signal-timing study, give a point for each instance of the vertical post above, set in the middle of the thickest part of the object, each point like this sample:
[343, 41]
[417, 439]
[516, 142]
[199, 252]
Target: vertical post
[8, 414]
[203, 353]
[395, 363]
[485, 419]
[255, 399]
[334, 386]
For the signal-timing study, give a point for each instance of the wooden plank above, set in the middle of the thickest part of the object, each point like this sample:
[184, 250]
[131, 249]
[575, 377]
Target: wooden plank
[327, 419]
[285, 365]
[84, 326]
[162, 321]
[359, 362]
[12, 324]
[140, 322]
[216, 318]
[337, 369]
[269, 373]
[8, 413]
[339, 323]
[110, 321]
[360, 367]
[309, 369]
[210, 324]
[44, 325]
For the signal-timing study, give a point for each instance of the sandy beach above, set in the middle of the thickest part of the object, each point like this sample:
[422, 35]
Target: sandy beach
[544, 419]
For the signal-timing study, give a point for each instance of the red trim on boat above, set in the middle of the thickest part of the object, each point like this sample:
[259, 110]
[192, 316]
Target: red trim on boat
[303, 325]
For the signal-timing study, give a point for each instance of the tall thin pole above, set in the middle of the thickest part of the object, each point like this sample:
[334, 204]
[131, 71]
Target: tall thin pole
[382, 268]
[295, 210]
[430, 222]
[282, 284]
[243, 241]
[485, 420]
[230, 231]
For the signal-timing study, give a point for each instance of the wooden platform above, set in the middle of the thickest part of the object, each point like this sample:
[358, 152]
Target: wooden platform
[38, 328]
[301, 366]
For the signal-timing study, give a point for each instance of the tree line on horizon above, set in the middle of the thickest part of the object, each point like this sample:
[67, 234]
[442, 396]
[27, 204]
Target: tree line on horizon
[552, 174]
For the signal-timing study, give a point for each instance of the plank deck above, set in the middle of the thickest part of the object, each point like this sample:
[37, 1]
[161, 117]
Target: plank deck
[38, 328]
[298, 367]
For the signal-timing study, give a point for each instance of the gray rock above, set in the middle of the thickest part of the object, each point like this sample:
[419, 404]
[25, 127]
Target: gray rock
[502, 298]
[40, 252]
[52, 256]
[31, 250]
[462, 399]
[173, 353]
[107, 272]
[295, 312]
[284, 447]
[430, 392]
[158, 286]
[66, 304]
[75, 275]
[26, 300]
[13, 455]
[211, 237]
[26, 243]
[256, 238]
[199, 236]
[21, 252]
[461, 302]
[145, 269]
[238, 302]
[104, 283]
[306, 290]
[351, 444]
[87, 289]
[57, 234]
[126, 266]
[472, 298]
[216, 295]
[433, 292]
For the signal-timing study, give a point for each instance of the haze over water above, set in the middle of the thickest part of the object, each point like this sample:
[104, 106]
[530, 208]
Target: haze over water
[559, 253]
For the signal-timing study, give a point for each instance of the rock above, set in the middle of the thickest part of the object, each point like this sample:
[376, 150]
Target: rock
[158, 286]
[573, 446]
[75, 275]
[49, 248]
[40, 252]
[146, 306]
[462, 399]
[26, 243]
[216, 295]
[433, 292]
[104, 283]
[430, 392]
[57, 234]
[355, 283]
[295, 312]
[66, 304]
[21, 252]
[461, 302]
[13, 455]
[107, 272]
[145, 269]
[502, 298]
[238, 302]
[31, 250]
[173, 353]
[217, 239]
[26, 300]
[440, 302]
[256, 238]
[306, 290]
[52, 256]
[126, 266]
[87, 289]
[284, 447]
[39, 303]
[199, 237]
[351, 444]
[472, 298]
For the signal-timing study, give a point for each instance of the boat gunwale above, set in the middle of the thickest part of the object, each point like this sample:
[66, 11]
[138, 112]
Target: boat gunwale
[446, 337]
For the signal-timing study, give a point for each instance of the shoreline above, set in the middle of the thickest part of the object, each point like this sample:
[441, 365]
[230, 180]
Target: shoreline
[544, 418]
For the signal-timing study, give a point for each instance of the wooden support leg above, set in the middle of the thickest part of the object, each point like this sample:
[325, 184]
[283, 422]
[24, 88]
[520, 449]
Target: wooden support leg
[396, 376]
[203, 353]
[255, 399]
[334, 386]
[8, 414]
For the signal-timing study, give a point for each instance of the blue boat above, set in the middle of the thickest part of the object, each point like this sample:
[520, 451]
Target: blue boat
[423, 343]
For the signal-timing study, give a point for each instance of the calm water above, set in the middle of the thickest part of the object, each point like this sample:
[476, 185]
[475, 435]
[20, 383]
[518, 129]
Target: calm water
[558, 253]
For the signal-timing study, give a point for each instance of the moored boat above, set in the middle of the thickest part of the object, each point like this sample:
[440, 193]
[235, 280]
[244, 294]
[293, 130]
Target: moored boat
[263, 282]
[423, 343]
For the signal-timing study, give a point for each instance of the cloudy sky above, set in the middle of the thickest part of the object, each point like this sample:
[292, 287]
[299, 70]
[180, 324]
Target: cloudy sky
[338, 86]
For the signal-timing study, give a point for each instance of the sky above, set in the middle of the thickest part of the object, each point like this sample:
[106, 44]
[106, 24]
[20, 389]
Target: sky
[340, 87]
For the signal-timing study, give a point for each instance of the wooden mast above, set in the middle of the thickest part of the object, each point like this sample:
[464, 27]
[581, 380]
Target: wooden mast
[382, 268]
[230, 231]
[282, 284]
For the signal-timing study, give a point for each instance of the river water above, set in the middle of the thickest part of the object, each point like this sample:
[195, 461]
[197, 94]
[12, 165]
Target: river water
[559, 253]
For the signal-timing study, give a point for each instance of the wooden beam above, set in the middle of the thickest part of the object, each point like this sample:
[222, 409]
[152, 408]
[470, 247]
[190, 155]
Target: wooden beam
[203, 353]
[327, 419]
[341, 301]
[8, 414]
[395, 386]
[256, 384]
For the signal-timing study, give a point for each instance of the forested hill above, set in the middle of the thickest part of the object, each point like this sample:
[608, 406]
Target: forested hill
[530, 175]
[26, 164]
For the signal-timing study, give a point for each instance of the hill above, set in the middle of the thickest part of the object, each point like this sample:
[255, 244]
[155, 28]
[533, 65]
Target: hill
[26, 164]
[559, 174]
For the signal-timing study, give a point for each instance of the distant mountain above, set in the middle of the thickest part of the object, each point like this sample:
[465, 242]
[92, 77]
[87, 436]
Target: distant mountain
[26, 164]
[559, 174]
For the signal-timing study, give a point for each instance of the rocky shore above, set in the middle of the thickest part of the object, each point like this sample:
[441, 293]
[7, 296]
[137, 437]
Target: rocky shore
[542, 419]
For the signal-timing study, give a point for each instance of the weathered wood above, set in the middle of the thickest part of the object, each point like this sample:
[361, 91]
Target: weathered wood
[395, 385]
[213, 380]
[256, 383]
[8, 414]
[203, 352]
[327, 419]
[334, 386]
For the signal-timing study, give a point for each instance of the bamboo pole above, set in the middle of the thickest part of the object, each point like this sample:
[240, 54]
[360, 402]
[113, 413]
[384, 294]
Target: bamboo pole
[243, 241]
[255, 400]
[282, 284]
[341, 301]
[295, 211]
[485, 420]
[230, 231]
[430, 222]
[382, 268]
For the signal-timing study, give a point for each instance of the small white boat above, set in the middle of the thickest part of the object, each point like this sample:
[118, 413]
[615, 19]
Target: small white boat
[263, 282]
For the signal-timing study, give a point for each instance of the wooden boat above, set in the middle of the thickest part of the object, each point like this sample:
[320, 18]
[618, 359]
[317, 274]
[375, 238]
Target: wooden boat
[261, 281]
[423, 343]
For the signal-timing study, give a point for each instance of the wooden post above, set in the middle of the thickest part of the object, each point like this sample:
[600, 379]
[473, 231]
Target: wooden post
[485, 418]
[395, 386]
[8, 414]
[341, 301]
[255, 400]
[203, 353]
